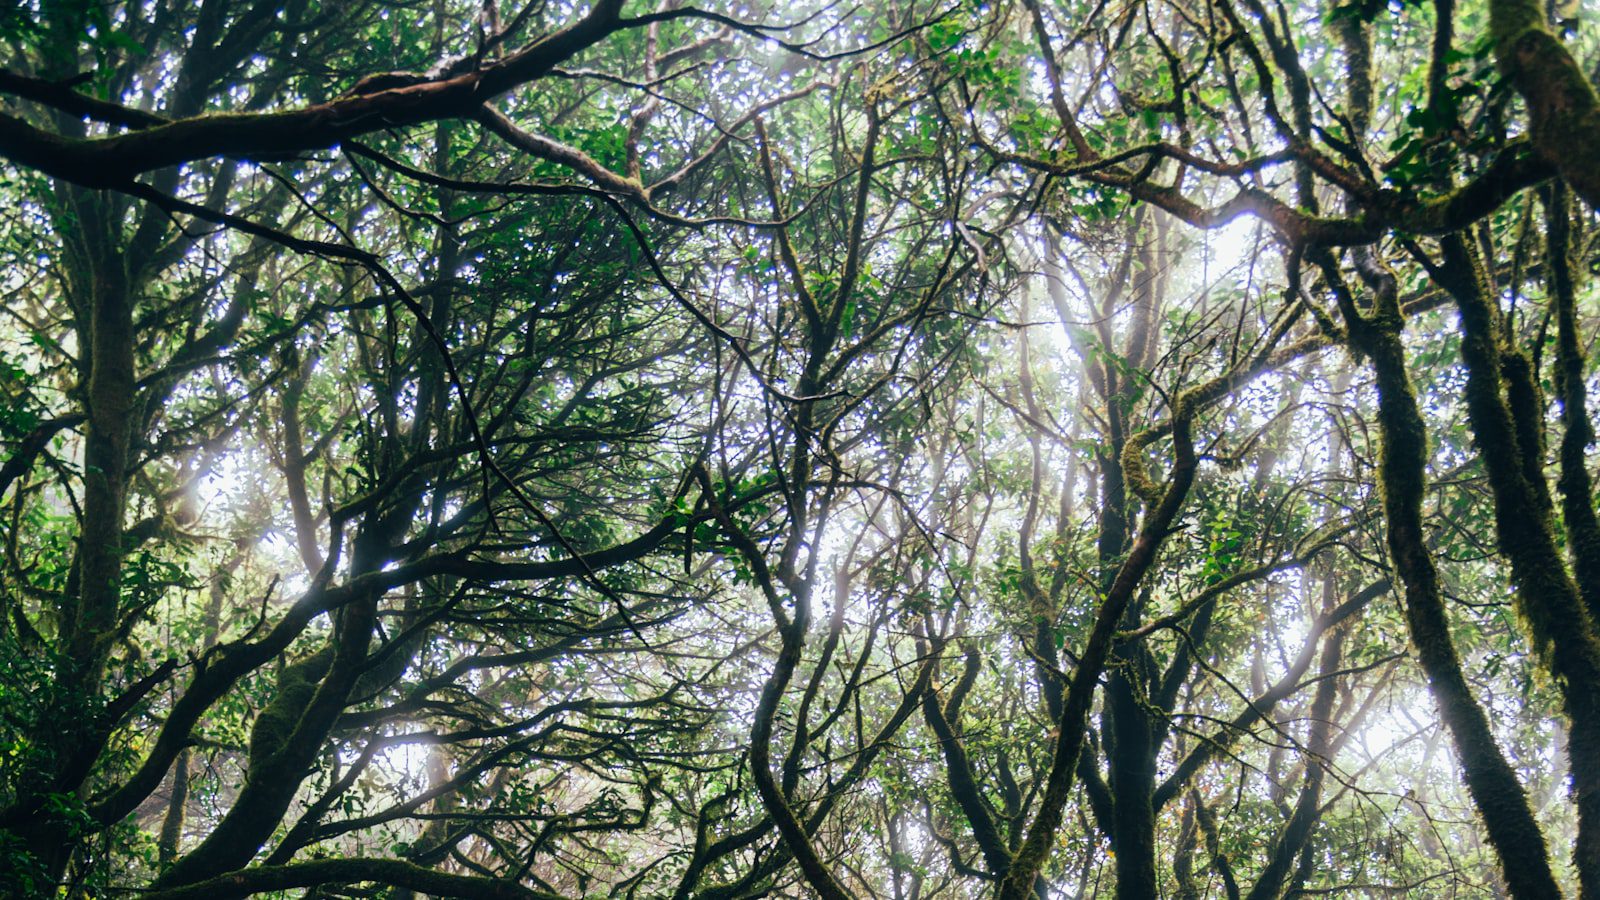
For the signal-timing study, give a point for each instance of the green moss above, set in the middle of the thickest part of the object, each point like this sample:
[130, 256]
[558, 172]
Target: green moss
[1563, 109]
[297, 684]
[1135, 474]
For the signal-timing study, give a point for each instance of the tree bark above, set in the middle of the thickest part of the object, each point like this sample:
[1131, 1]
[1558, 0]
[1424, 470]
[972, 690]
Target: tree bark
[1563, 109]
[1552, 610]
[1402, 474]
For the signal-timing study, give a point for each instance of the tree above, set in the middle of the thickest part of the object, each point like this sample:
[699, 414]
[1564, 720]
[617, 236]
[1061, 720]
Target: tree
[1325, 165]
[1023, 449]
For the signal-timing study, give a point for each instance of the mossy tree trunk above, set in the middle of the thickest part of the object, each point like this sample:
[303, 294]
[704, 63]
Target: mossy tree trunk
[1563, 109]
[1577, 434]
[1558, 623]
[1402, 477]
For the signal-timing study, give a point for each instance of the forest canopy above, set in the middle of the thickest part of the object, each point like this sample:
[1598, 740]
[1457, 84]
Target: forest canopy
[919, 449]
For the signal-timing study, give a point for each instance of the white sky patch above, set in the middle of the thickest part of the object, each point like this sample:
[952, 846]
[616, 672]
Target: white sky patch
[1231, 245]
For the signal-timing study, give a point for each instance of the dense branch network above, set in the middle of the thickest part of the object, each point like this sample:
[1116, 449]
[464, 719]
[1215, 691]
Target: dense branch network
[1025, 449]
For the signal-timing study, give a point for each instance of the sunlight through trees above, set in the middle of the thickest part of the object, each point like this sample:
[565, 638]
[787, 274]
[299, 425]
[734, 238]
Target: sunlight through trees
[1026, 449]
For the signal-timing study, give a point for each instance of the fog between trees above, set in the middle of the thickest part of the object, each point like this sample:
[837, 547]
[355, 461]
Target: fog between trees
[1029, 449]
